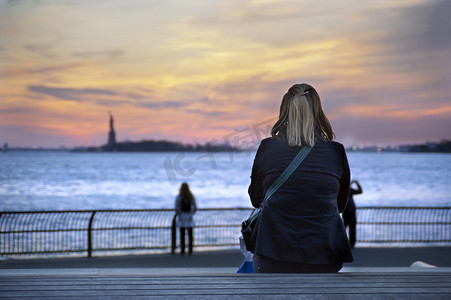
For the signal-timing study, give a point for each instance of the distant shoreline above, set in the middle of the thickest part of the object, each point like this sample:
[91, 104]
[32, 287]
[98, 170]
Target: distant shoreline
[100, 151]
[348, 150]
[166, 146]
[143, 146]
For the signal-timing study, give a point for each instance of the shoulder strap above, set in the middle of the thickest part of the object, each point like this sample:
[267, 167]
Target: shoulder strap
[288, 171]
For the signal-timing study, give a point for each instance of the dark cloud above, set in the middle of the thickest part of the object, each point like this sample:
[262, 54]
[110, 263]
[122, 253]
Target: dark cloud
[12, 2]
[16, 110]
[437, 29]
[213, 113]
[35, 2]
[69, 93]
[145, 90]
[95, 54]
[417, 39]
[410, 64]
[166, 104]
[136, 96]
[43, 70]
[41, 50]
[104, 102]
[394, 131]
[80, 95]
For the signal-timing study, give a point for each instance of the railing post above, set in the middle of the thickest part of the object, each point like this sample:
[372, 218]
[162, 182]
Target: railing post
[90, 234]
[174, 234]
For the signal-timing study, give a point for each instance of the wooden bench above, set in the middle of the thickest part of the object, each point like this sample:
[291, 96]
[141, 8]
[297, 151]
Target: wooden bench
[217, 283]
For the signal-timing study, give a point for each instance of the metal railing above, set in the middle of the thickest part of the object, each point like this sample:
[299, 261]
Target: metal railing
[100, 232]
[93, 232]
[411, 225]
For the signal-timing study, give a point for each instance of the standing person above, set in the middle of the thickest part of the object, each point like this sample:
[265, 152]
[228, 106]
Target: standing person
[300, 229]
[349, 217]
[185, 207]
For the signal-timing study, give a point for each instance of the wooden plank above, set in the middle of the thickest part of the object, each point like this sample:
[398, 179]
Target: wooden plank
[422, 284]
[237, 292]
[235, 286]
[229, 277]
[250, 280]
[263, 285]
[256, 276]
[250, 297]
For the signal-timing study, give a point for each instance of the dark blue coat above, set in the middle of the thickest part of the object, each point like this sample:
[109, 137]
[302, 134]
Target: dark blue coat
[301, 221]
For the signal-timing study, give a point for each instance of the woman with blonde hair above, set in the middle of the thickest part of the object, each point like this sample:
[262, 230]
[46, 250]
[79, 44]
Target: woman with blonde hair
[185, 207]
[300, 229]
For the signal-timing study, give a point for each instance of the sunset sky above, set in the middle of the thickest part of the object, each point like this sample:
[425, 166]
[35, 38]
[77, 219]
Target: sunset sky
[196, 71]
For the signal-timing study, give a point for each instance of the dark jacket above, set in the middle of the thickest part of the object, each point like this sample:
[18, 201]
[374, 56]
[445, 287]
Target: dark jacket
[301, 221]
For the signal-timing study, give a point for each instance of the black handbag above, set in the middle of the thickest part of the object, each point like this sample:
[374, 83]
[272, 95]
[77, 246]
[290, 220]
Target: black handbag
[248, 225]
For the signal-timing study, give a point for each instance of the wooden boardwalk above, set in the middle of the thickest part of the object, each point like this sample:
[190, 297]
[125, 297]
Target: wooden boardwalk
[208, 284]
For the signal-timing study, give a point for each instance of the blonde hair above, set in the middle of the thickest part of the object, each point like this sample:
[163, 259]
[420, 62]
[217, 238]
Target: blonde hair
[301, 117]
